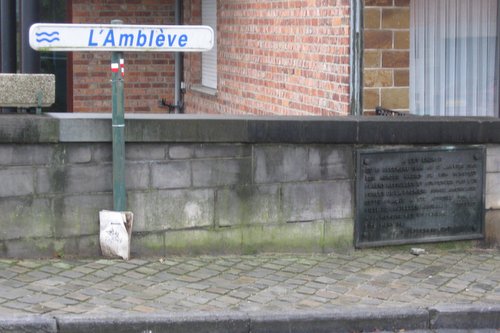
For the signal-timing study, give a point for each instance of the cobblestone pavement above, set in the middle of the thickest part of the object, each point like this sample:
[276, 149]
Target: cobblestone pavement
[277, 282]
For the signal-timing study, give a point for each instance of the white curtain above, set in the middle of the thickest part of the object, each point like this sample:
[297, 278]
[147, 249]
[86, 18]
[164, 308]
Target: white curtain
[209, 58]
[453, 57]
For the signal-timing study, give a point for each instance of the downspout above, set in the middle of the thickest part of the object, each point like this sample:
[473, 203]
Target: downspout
[356, 57]
[30, 14]
[179, 65]
[8, 54]
[497, 67]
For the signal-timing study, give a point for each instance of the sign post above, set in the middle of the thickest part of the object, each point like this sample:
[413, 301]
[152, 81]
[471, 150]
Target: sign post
[118, 128]
[118, 38]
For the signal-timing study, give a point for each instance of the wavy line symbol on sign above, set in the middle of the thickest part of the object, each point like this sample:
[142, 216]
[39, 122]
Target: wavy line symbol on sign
[42, 38]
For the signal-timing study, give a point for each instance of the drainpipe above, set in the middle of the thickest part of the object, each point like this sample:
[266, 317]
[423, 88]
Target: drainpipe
[356, 57]
[179, 65]
[30, 59]
[8, 56]
[497, 68]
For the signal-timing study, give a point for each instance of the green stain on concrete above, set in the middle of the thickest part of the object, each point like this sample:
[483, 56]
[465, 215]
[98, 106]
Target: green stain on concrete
[203, 241]
[339, 236]
[290, 237]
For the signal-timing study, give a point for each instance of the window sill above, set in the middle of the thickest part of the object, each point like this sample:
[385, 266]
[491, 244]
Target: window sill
[204, 90]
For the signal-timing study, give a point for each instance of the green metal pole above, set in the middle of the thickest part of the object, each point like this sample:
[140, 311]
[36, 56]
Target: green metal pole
[118, 123]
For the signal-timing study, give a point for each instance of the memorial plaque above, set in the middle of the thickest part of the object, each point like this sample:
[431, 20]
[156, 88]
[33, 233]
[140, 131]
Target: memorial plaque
[417, 195]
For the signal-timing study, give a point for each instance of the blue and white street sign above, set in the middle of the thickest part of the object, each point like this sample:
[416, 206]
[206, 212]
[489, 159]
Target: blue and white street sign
[111, 37]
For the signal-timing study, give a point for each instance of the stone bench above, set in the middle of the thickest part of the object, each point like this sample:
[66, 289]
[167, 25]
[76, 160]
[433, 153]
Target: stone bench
[27, 90]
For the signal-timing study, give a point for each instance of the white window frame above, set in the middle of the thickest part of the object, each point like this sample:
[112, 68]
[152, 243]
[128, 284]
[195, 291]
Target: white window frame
[209, 58]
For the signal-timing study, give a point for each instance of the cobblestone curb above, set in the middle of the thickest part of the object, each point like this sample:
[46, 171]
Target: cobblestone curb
[356, 320]
[465, 317]
[28, 324]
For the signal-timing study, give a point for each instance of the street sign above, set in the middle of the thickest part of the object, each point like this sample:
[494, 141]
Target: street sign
[120, 37]
[117, 38]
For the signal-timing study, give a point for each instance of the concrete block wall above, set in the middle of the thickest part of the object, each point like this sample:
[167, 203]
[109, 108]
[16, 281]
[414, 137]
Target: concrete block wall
[187, 198]
[203, 184]
[492, 195]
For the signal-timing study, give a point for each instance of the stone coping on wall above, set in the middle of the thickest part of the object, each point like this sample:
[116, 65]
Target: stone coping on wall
[96, 127]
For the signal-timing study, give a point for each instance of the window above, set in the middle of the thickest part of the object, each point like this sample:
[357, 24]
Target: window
[209, 59]
[454, 57]
[432, 57]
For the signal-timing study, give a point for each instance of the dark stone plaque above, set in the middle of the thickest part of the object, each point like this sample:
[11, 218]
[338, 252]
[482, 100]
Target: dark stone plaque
[416, 195]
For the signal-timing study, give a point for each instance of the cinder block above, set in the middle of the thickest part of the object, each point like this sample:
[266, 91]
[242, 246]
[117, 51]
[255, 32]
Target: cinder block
[102, 152]
[79, 215]
[16, 182]
[222, 150]
[147, 244]
[25, 217]
[280, 163]
[80, 246]
[177, 209]
[492, 190]
[29, 248]
[145, 152]
[221, 172]
[78, 153]
[50, 180]
[245, 205]
[181, 151]
[88, 178]
[139, 203]
[25, 154]
[31, 129]
[493, 158]
[339, 235]
[289, 237]
[328, 162]
[492, 228]
[137, 176]
[203, 241]
[318, 200]
[175, 174]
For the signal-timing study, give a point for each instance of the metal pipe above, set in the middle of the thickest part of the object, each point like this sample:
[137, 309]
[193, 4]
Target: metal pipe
[356, 57]
[118, 129]
[8, 53]
[497, 67]
[30, 59]
[179, 64]
[8, 37]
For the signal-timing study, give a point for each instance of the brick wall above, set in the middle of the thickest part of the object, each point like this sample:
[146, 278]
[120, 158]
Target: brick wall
[149, 77]
[287, 58]
[279, 57]
[386, 54]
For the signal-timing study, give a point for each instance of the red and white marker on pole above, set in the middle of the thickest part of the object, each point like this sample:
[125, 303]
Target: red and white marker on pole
[115, 68]
[122, 67]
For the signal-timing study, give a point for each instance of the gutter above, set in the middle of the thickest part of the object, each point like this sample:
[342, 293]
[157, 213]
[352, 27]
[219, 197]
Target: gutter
[178, 106]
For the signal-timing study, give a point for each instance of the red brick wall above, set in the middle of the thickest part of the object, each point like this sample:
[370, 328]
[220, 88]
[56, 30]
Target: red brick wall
[149, 77]
[279, 57]
[275, 57]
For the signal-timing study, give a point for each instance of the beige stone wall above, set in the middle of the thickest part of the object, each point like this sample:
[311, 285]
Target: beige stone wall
[386, 55]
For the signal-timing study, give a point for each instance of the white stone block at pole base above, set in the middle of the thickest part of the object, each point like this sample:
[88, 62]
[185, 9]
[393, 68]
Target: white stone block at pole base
[120, 37]
[115, 233]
